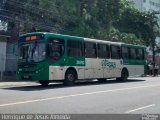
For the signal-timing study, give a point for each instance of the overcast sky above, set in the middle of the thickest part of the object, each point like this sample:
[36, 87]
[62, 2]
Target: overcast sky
[3, 27]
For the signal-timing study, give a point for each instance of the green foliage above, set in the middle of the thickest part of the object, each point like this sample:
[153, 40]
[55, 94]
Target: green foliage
[115, 20]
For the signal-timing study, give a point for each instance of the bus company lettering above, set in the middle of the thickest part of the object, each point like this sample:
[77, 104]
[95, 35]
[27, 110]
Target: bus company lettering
[79, 62]
[108, 64]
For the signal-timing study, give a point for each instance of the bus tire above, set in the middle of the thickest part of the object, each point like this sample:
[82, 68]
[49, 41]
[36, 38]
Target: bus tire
[44, 82]
[70, 77]
[124, 75]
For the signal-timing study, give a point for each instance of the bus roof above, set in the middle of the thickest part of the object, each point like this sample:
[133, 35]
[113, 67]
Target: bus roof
[86, 39]
[113, 43]
[51, 34]
[135, 46]
[103, 41]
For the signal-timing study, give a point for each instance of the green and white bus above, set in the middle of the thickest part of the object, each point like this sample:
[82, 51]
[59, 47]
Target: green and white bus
[47, 57]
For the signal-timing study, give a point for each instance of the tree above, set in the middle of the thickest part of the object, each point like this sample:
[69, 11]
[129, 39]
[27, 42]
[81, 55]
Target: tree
[153, 24]
[102, 19]
[108, 12]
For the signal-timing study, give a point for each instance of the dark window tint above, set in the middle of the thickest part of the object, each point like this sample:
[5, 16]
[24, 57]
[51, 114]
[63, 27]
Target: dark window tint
[56, 48]
[140, 54]
[90, 50]
[125, 52]
[103, 51]
[115, 52]
[132, 53]
[75, 48]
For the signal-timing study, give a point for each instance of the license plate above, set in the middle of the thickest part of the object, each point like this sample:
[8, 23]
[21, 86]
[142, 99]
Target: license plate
[26, 77]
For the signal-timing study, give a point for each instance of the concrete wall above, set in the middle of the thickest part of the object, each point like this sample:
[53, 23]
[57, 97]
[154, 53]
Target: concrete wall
[11, 59]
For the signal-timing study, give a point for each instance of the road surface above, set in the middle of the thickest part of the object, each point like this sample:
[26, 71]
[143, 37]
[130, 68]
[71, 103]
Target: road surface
[137, 96]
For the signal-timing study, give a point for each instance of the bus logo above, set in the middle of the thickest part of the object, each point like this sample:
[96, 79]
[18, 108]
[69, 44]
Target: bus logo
[108, 64]
[80, 62]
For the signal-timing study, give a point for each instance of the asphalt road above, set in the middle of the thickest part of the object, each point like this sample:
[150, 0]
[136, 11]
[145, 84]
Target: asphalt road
[137, 96]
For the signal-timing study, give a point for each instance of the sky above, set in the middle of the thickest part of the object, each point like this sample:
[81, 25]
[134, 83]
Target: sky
[3, 27]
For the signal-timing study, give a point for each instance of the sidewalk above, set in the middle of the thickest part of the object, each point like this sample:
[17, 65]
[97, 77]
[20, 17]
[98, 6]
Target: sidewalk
[12, 83]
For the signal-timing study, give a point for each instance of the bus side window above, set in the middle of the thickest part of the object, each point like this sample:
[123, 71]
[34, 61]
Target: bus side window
[132, 53]
[140, 54]
[55, 48]
[103, 51]
[90, 50]
[125, 52]
[75, 48]
[115, 52]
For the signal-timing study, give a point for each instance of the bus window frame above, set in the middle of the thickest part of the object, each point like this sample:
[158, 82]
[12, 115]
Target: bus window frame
[131, 54]
[128, 49]
[94, 45]
[81, 47]
[107, 51]
[48, 47]
[141, 57]
[118, 52]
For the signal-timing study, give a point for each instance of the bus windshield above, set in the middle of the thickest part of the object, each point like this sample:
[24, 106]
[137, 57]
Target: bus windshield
[32, 52]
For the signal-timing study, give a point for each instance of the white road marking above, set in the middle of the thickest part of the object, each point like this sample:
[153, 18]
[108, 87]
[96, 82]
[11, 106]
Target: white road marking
[140, 108]
[75, 95]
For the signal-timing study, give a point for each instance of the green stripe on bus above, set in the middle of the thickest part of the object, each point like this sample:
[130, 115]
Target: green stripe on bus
[134, 62]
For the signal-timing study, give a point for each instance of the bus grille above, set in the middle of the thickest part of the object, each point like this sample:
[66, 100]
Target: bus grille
[27, 66]
[27, 72]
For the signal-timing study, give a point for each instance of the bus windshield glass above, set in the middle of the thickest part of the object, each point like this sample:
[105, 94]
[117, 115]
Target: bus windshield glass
[32, 52]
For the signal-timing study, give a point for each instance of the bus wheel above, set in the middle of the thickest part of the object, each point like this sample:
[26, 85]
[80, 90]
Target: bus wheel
[124, 75]
[44, 82]
[70, 78]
